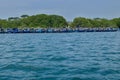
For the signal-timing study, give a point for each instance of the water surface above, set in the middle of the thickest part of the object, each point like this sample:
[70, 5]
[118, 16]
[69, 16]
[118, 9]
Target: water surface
[60, 56]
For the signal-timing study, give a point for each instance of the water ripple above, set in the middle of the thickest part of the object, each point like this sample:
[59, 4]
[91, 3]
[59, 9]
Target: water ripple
[72, 56]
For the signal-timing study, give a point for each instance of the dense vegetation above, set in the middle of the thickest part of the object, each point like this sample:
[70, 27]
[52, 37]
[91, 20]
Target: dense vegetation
[35, 21]
[56, 21]
[96, 22]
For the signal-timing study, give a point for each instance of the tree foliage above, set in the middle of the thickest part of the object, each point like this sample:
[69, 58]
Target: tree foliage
[35, 21]
[81, 22]
[96, 22]
[116, 21]
[56, 21]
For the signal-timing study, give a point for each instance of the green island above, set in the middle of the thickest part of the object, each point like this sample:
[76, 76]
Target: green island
[58, 23]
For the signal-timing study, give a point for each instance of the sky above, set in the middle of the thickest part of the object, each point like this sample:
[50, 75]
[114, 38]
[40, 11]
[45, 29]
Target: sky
[67, 8]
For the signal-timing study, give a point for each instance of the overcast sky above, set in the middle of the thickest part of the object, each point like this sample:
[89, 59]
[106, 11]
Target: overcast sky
[67, 8]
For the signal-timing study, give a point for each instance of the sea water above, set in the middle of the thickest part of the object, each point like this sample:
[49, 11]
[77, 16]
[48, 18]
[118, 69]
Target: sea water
[60, 56]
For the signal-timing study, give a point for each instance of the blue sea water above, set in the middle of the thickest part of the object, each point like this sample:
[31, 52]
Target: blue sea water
[60, 56]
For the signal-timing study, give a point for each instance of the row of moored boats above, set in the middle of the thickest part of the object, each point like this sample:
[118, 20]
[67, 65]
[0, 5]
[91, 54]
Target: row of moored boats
[53, 30]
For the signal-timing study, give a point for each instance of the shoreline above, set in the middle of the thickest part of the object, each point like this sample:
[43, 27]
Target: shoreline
[60, 30]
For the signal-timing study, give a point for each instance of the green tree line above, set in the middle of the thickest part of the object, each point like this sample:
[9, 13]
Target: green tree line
[57, 21]
[96, 22]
